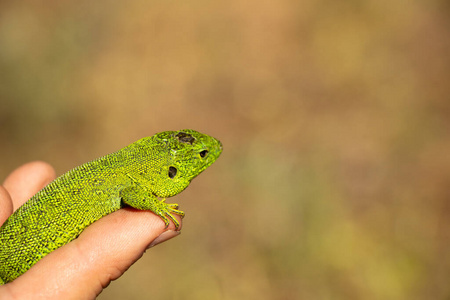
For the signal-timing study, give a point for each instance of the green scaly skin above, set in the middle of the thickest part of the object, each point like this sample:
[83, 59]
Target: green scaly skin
[140, 175]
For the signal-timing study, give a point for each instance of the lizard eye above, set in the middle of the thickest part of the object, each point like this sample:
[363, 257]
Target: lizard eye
[172, 172]
[203, 153]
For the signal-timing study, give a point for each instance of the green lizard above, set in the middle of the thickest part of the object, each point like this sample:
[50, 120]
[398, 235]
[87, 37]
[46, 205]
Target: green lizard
[138, 175]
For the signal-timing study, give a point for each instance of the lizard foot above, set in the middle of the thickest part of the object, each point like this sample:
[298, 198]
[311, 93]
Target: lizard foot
[168, 213]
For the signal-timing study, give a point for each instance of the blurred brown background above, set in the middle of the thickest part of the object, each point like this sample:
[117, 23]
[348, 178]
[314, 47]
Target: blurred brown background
[334, 115]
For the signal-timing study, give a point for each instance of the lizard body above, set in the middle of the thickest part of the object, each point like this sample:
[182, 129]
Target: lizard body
[138, 175]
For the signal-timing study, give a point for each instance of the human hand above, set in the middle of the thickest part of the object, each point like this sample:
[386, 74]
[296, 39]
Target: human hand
[85, 266]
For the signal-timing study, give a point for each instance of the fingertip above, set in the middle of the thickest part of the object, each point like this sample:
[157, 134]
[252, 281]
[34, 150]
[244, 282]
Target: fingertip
[130, 233]
[6, 206]
[163, 237]
[27, 180]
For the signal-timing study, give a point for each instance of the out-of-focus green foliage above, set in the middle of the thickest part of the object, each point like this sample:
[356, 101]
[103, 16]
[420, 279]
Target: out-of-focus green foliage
[334, 115]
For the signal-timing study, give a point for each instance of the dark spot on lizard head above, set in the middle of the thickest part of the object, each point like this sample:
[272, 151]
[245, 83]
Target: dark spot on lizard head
[185, 137]
[172, 172]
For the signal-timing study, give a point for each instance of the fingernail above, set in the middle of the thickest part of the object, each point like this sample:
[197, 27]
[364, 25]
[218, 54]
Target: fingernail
[165, 236]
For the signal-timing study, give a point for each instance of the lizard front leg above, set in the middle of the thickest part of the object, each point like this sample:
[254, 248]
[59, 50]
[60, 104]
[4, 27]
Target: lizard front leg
[139, 198]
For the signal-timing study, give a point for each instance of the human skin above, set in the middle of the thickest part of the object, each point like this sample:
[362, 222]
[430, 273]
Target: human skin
[85, 266]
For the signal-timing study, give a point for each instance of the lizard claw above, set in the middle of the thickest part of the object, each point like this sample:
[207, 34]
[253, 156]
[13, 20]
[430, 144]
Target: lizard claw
[168, 214]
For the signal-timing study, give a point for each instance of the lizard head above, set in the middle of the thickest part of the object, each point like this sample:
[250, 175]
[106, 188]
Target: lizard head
[184, 155]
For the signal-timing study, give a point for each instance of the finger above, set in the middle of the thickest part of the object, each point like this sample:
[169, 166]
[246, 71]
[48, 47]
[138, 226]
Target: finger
[6, 206]
[102, 253]
[27, 180]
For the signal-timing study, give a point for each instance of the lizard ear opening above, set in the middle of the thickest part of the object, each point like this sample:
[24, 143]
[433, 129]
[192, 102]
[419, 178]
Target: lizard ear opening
[172, 172]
